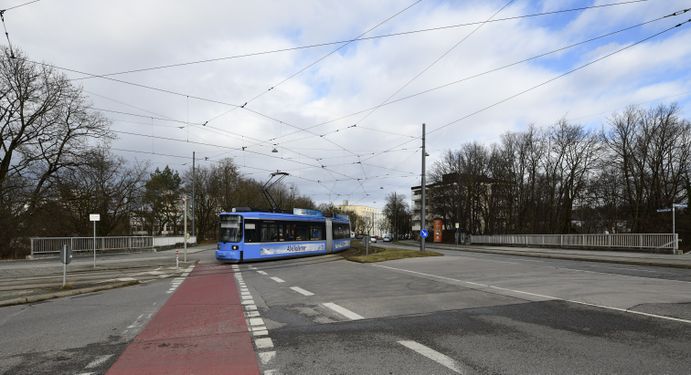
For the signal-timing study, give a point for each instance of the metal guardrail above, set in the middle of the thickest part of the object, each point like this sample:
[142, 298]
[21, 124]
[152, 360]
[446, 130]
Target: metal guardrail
[648, 241]
[53, 245]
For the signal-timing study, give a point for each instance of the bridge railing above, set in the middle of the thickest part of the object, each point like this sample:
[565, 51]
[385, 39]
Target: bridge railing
[646, 241]
[53, 245]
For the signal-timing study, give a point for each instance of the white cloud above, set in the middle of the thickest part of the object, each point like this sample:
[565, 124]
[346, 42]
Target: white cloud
[105, 37]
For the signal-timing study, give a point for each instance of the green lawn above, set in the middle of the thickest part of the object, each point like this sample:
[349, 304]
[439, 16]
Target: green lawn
[357, 253]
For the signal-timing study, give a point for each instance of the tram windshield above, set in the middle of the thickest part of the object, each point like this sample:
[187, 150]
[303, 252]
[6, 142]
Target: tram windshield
[230, 230]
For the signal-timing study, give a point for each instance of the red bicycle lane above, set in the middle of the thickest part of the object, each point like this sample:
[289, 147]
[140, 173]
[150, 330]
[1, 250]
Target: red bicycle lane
[201, 329]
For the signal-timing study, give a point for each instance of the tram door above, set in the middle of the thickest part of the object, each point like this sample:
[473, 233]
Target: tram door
[329, 236]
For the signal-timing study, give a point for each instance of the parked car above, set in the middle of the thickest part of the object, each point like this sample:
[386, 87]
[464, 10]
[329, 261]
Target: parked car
[387, 239]
[373, 239]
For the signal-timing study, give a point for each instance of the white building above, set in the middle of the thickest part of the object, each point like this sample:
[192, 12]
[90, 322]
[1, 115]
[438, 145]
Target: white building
[372, 217]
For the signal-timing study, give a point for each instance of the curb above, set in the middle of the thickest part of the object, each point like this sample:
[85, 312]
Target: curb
[65, 293]
[588, 258]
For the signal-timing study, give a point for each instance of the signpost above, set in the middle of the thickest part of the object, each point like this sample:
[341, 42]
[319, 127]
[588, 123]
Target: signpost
[94, 218]
[65, 258]
[424, 233]
[674, 224]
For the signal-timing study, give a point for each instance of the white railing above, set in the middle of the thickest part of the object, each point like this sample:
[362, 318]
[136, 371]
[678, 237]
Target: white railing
[53, 245]
[647, 241]
[172, 241]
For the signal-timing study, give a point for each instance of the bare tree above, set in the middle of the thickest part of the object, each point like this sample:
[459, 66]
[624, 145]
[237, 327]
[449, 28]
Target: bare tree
[45, 125]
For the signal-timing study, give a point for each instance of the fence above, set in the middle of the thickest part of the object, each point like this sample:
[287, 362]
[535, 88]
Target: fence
[643, 241]
[53, 245]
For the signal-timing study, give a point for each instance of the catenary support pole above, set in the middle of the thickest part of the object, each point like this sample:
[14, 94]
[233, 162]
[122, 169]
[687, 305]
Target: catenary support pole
[423, 210]
[184, 230]
[193, 191]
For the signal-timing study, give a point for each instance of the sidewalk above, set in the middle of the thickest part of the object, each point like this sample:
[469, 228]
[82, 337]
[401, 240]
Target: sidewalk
[623, 257]
[28, 281]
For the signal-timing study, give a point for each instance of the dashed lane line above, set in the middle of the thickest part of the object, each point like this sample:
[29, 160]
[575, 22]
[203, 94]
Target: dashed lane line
[302, 291]
[256, 324]
[277, 279]
[432, 354]
[262, 273]
[343, 311]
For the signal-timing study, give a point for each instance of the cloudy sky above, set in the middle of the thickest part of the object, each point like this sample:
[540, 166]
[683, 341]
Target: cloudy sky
[344, 118]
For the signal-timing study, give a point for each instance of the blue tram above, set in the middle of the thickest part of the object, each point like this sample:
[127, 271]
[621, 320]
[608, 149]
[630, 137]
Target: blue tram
[254, 235]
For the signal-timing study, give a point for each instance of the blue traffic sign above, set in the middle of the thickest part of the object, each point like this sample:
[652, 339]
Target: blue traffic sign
[423, 233]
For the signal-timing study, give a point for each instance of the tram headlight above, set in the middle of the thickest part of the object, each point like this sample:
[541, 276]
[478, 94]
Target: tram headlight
[235, 247]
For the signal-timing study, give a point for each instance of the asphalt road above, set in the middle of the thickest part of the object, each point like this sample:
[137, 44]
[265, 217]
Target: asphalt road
[74, 335]
[460, 313]
[464, 313]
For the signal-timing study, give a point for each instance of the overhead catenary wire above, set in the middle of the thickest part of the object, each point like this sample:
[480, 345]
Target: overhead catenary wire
[544, 83]
[320, 59]
[230, 148]
[363, 38]
[467, 78]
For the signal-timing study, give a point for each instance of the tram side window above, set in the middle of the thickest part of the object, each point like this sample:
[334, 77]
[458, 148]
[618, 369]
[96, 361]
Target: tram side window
[316, 232]
[252, 231]
[341, 231]
[280, 231]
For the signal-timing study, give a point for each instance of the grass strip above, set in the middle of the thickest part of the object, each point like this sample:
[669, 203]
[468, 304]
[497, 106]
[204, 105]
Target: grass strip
[358, 253]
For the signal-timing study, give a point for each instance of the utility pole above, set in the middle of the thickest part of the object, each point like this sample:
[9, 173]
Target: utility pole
[395, 217]
[184, 230]
[193, 190]
[423, 225]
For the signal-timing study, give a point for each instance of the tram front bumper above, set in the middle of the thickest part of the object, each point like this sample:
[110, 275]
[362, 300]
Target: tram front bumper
[234, 256]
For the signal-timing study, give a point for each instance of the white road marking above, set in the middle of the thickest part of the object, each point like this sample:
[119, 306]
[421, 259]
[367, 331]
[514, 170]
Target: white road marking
[250, 307]
[432, 354]
[247, 302]
[246, 297]
[98, 361]
[277, 279]
[539, 295]
[271, 372]
[343, 311]
[258, 328]
[263, 343]
[256, 322]
[262, 273]
[302, 291]
[263, 332]
[267, 357]
[252, 314]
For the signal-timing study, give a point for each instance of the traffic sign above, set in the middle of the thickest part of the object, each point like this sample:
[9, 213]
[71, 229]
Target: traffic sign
[664, 210]
[94, 217]
[423, 233]
[676, 205]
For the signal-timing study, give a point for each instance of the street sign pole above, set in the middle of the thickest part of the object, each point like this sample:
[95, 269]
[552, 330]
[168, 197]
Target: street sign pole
[64, 265]
[94, 218]
[674, 222]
